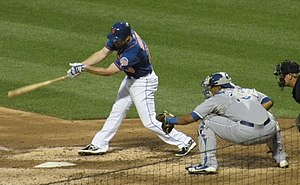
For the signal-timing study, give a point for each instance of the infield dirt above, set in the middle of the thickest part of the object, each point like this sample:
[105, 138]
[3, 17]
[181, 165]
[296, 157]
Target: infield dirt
[29, 139]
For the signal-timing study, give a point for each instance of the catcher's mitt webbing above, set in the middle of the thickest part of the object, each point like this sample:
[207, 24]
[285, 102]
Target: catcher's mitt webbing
[162, 117]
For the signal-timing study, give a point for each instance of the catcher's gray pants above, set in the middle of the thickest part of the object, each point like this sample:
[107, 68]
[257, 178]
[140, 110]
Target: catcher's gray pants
[238, 133]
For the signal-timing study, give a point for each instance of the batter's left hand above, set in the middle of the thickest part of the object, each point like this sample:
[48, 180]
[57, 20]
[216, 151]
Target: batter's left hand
[76, 69]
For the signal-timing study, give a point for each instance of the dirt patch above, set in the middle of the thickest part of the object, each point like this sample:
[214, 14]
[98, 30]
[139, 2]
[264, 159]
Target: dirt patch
[136, 155]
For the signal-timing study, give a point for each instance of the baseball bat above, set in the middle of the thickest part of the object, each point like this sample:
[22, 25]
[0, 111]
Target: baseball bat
[29, 88]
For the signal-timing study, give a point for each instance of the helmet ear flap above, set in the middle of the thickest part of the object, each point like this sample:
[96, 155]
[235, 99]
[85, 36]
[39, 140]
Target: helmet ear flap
[212, 82]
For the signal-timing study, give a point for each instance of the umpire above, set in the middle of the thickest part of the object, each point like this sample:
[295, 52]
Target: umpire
[288, 73]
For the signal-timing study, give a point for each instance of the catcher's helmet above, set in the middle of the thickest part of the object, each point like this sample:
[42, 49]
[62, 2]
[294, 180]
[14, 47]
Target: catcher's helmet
[119, 31]
[284, 68]
[216, 79]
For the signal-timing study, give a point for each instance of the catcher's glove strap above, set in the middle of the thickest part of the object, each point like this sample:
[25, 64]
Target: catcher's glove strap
[249, 124]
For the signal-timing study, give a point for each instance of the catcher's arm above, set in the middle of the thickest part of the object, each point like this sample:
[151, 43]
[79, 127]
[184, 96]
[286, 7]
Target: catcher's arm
[181, 120]
[169, 120]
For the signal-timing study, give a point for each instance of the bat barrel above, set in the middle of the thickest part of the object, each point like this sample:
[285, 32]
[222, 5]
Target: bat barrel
[33, 87]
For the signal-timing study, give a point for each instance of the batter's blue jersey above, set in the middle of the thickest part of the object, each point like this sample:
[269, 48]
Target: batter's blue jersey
[134, 59]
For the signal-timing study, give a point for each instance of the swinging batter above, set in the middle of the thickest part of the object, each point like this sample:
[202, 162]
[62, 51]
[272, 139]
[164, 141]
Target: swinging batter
[138, 88]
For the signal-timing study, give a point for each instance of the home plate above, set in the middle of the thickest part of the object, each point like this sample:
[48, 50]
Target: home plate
[54, 165]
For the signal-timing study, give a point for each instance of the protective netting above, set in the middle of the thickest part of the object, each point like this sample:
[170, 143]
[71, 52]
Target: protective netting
[237, 165]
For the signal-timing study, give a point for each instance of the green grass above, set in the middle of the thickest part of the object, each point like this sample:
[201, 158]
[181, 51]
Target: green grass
[188, 40]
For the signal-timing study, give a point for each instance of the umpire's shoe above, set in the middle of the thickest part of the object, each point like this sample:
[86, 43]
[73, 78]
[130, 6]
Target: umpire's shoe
[185, 150]
[200, 169]
[91, 150]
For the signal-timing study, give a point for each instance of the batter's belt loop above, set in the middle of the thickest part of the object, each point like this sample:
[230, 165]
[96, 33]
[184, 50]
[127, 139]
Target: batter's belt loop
[249, 124]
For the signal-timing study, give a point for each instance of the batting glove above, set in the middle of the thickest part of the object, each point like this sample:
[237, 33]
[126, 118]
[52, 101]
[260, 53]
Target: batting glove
[76, 69]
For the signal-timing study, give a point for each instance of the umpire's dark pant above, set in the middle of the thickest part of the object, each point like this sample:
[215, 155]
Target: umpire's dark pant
[298, 122]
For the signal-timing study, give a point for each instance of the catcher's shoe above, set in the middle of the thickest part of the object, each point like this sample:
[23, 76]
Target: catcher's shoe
[185, 150]
[192, 166]
[200, 169]
[283, 164]
[91, 150]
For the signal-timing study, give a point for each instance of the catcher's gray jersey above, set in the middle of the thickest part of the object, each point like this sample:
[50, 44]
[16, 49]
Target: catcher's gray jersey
[236, 104]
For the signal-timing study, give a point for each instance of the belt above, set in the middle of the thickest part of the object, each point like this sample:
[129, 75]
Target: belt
[249, 124]
[132, 77]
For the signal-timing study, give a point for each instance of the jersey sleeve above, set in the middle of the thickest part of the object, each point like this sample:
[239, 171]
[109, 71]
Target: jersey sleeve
[207, 107]
[262, 98]
[125, 62]
[196, 116]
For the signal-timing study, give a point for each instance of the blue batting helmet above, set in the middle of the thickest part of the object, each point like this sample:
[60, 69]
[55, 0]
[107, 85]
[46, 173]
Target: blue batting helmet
[119, 31]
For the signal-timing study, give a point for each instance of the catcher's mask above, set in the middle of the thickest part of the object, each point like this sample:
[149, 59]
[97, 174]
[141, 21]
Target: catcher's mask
[217, 79]
[119, 31]
[284, 68]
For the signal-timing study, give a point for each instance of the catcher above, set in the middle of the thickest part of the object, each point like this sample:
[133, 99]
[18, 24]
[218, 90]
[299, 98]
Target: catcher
[235, 114]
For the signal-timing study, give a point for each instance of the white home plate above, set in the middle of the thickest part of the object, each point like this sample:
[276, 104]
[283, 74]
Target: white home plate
[54, 165]
[4, 148]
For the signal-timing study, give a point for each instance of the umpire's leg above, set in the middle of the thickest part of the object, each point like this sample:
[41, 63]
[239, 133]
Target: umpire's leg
[298, 122]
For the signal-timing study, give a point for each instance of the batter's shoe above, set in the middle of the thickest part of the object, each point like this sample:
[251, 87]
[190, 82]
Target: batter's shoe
[200, 169]
[185, 150]
[91, 150]
[283, 164]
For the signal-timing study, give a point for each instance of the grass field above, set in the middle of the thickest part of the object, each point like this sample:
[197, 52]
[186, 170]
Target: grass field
[188, 40]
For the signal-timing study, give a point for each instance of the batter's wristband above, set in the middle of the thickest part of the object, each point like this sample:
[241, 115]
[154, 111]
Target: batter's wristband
[172, 121]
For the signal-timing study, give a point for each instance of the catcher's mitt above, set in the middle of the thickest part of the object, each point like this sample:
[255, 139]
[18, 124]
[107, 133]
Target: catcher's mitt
[167, 128]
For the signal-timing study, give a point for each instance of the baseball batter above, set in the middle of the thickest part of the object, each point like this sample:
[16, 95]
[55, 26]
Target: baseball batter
[235, 114]
[138, 88]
